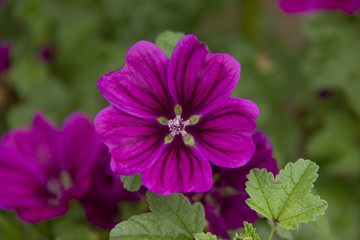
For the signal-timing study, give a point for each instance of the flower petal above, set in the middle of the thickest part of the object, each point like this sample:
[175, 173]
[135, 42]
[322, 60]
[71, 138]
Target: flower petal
[295, 6]
[140, 87]
[107, 191]
[224, 135]
[180, 168]
[39, 145]
[134, 143]
[80, 149]
[22, 181]
[199, 80]
[21, 189]
[40, 213]
[216, 225]
[234, 211]
[262, 158]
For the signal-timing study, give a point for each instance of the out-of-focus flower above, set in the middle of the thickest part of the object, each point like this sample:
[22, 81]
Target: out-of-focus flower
[224, 204]
[147, 133]
[46, 53]
[2, 4]
[43, 168]
[4, 56]
[101, 202]
[296, 6]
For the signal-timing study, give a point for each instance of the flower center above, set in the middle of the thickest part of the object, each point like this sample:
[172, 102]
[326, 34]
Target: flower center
[177, 125]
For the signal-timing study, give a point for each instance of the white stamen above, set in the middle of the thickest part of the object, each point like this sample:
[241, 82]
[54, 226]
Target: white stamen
[177, 125]
[54, 186]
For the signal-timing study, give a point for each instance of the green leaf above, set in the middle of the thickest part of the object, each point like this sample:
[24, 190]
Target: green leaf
[167, 41]
[250, 233]
[203, 236]
[132, 183]
[337, 139]
[172, 217]
[178, 210]
[287, 199]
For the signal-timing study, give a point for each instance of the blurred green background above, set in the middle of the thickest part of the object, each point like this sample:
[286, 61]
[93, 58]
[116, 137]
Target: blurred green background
[303, 71]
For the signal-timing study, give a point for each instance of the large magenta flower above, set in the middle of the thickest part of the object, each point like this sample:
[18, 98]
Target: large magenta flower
[147, 134]
[43, 168]
[295, 6]
[225, 206]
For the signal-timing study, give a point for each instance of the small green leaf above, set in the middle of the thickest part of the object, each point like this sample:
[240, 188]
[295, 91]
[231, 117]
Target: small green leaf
[132, 183]
[167, 41]
[250, 233]
[189, 140]
[178, 109]
[203, 236]
[163, 120]
[66, 180]
[287, 199]
[168, 138]
[178, 210]
[172, 217]
[194, 119]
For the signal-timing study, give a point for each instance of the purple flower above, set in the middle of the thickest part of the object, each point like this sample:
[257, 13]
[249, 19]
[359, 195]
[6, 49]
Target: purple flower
[46, 53]
[101, 202]
[224, 204]
[147, 132]
[4, 56]
[2, 4]
[43, 168]
[295, 6]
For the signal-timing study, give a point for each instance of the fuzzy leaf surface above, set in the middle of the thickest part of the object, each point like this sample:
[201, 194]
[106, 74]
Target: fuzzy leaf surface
[207, 236]
[250, 233]
[132, 183]
[167, 41]
[172, 217]
[287, 199]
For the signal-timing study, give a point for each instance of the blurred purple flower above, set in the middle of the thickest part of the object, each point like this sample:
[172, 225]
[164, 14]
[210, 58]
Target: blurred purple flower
[46, 54]
[148, 87]
[2, 4]
[4, 56]
[325, 94]
[101, 202]
[224, 204]
[43, 168]
[295, 6]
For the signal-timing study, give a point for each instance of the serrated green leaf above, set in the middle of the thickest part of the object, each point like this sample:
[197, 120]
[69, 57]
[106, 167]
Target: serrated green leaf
[250, 233]
[178, 210]
[203, 236]
[167, 41]
[150, 226]
[172, 217]
[287, 199]
[132, 183]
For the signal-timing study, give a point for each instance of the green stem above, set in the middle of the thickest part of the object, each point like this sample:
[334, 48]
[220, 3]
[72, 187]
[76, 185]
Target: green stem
[272, 231]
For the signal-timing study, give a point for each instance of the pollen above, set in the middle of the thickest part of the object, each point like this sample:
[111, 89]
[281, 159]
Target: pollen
[177, 125]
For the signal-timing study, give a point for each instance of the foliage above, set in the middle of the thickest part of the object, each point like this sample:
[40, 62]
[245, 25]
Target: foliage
[250, 233]
[301, 71]
[171, 217]
[132, 183]
[287, 199]
[203, 236]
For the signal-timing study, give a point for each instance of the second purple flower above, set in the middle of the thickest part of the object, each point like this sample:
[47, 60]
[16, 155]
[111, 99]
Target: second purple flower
[171, 118]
